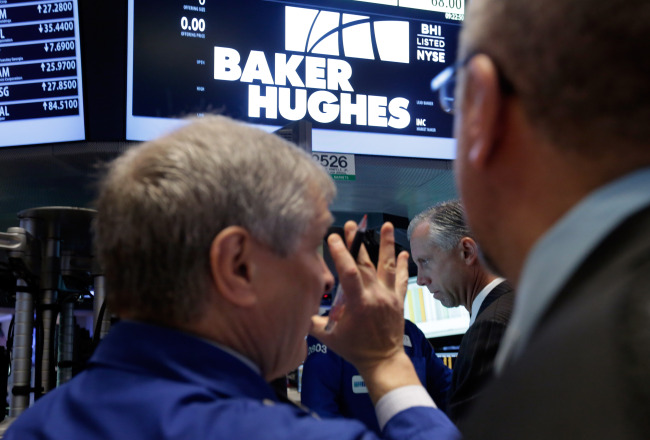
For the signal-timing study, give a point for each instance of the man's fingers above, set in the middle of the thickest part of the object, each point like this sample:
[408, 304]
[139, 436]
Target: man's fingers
[318, 331]
[346, 267]
[386, 261]
[350, 229]
[402, 273]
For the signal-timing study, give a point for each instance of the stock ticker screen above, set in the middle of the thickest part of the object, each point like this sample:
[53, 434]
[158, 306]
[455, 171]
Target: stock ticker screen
[40, 73]
[359, 70]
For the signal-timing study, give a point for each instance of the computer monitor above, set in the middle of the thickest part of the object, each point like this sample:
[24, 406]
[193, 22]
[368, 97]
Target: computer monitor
[40, 73]
[358, 70]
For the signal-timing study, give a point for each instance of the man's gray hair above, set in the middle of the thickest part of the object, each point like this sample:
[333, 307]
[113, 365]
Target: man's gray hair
[162, 203]
[580, 67]
[446, 222]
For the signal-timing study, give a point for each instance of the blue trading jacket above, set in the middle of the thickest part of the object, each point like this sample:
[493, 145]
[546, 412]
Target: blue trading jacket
[332, 387]
[148, 382]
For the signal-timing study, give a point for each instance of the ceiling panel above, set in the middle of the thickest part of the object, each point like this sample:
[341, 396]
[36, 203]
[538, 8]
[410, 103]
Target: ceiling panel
[65, 175]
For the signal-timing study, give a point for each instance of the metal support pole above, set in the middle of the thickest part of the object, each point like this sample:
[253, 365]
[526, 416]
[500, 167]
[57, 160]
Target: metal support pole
[21, 362]
[66, 343]
[49, 229]
[49, 284]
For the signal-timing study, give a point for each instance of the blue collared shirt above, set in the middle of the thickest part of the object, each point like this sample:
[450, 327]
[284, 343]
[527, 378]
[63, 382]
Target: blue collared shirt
[561, 250]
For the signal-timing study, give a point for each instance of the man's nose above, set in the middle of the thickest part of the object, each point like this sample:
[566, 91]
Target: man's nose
[423, 280]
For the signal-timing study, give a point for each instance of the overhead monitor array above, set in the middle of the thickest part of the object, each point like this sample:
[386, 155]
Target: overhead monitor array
[40, 73]
[358, 70]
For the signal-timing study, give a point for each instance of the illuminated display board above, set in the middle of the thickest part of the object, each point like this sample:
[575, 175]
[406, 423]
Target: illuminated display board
[358, 70]
[40, 73]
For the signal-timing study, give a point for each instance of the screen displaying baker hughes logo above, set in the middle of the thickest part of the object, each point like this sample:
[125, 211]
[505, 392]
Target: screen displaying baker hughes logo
[348, 35]
[358, 71]
[288, 87]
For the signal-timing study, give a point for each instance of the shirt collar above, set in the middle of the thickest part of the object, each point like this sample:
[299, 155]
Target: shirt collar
[560, 251]
[478, 301]
[246, 361]
[237, 355]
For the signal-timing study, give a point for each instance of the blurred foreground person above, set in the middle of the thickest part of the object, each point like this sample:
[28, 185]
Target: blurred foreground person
[553, 168]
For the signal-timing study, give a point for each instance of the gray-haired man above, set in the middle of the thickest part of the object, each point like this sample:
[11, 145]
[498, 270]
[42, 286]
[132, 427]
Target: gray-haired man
[447, 257]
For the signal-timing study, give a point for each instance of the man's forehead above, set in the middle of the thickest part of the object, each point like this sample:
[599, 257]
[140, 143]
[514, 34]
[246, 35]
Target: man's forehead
[421, 230]
[323, 218]
[325, 215]
[421, 245]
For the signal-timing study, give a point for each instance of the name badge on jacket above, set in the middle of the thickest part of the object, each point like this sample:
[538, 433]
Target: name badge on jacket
[358, 385]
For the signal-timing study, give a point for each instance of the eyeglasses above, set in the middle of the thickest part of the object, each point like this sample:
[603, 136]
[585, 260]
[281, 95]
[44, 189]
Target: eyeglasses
[444, 83]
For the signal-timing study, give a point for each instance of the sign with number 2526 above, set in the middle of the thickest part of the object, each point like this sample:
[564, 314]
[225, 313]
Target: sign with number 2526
[339, 166]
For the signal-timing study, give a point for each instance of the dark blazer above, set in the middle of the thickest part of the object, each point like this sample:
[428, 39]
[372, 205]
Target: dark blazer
[585, 373]
[473, 368]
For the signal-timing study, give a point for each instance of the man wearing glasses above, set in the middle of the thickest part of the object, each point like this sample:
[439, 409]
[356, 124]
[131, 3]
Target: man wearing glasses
[552, 105]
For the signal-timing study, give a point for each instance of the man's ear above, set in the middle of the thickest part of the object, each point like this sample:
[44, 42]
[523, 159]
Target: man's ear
[482, 101]
[231, 265]
[468, 250]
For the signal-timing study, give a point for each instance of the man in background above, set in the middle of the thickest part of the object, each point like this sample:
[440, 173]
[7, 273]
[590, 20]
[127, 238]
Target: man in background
[553, 167]
[448, 263]
[210, 239]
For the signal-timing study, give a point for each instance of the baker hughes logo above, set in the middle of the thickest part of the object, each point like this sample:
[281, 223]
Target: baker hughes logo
[292, 86]
[349, 35]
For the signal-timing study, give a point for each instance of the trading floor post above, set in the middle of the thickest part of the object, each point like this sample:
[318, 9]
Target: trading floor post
[49, 294]
[66, 343]
[21, 359]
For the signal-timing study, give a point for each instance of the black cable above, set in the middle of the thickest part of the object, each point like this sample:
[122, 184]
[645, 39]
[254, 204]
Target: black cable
[10, 339]
[98, 324]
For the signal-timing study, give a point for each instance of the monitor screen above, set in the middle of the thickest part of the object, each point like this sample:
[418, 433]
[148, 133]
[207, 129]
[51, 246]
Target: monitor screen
[358, 70]
[40, 73]
[430, 315]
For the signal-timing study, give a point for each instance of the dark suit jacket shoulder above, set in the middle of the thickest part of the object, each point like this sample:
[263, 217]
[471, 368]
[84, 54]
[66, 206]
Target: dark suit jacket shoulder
[585, 373]
[474, 366]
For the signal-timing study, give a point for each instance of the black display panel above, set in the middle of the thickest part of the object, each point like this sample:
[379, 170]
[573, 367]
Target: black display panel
[359, 71]
[40, 73]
